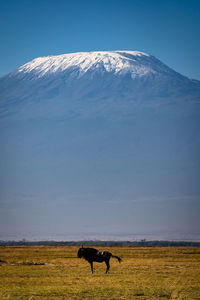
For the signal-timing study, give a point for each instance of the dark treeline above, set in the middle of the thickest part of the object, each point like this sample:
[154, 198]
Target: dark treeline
[101, 243]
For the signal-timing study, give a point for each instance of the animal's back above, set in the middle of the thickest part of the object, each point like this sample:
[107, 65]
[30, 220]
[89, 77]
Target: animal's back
[90, 253]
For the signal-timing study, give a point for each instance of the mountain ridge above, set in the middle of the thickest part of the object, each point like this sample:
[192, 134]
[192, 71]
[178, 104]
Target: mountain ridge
[121, 61]
[111, 60]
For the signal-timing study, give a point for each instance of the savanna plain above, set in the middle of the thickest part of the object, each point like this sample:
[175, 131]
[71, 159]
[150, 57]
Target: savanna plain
[55, 273]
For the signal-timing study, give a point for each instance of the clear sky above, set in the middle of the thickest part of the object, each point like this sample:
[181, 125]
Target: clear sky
[169, 30]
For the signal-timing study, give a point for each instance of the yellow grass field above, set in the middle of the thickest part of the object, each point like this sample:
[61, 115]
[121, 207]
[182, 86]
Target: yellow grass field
[55, 272]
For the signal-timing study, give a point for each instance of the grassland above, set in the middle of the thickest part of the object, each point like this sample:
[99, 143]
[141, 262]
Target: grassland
[55, 273]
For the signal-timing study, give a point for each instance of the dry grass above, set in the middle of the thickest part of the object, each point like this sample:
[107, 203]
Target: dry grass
[53, 273]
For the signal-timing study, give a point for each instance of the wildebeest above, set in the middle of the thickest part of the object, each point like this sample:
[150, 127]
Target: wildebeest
[92, 254]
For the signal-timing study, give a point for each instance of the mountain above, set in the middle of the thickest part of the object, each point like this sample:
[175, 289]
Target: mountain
[99, 144]
[115, 76]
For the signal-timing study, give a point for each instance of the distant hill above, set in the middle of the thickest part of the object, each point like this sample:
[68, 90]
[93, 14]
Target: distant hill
[103, 243]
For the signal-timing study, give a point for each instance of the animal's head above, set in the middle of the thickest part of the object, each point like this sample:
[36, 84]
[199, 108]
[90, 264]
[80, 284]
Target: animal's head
[80, 252]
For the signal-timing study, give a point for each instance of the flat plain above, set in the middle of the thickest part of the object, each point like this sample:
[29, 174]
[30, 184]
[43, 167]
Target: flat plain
[55, 273]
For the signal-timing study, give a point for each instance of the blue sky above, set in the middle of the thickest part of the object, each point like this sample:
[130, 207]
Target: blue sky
[169, 30]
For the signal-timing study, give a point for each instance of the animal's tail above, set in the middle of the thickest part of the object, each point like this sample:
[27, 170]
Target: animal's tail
[117, 257]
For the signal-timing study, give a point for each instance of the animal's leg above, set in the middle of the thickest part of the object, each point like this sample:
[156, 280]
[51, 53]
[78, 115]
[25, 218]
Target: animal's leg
[91, 264]
[108, 266]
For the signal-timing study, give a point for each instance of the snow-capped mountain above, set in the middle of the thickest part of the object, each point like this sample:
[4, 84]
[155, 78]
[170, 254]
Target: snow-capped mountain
[115, 76]
[115, 62]
[86, 135]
